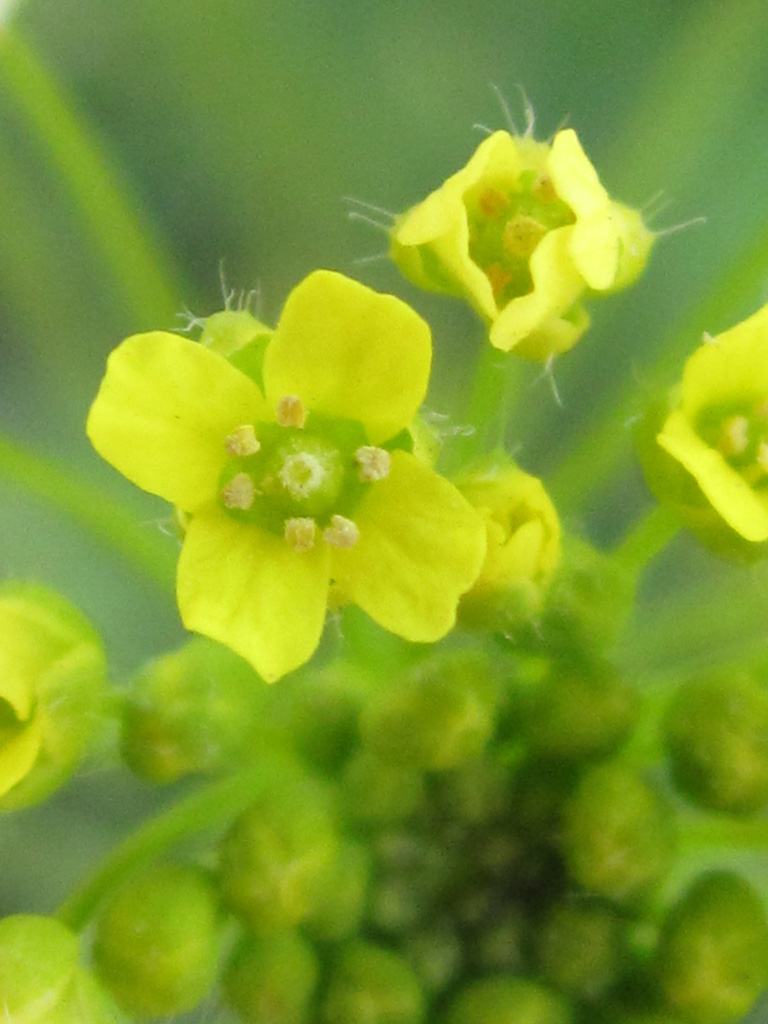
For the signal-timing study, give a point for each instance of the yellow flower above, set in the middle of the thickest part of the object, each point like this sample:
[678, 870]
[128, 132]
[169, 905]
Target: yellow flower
[523, 544]
[710, 457]
[523, 233]
[52, 672]
[302, 484]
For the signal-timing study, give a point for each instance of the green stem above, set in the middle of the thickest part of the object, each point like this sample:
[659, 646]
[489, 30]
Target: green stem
[117, 226]
[203, 810]
[153, 554]
[646, 539]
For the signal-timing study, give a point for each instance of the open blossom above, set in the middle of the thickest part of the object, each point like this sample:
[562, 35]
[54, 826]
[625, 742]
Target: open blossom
[301, 484]
[706, 452]
[524, 232]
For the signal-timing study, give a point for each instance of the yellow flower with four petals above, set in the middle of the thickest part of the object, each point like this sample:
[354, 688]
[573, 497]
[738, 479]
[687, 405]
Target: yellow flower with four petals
[523, 233]
[305, 482]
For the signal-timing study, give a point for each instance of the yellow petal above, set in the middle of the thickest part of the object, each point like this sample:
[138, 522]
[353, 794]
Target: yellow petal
[19, 748]
[250, 590]
[164, 410]
[349, 352]
[557, 285]
[575, 179]
[731, 369]
[421, 546]
[728, 493]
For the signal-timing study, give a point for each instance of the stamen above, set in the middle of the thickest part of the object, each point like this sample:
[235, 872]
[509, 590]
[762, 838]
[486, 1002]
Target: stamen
[342, 533]
[300, 533]
[242, 441]
[522, 234]
[239, 492]
[492, 203]
[499, 278]
[734, 436]
[544, 188]
[373, 463]
[291, 411]
[301, 474]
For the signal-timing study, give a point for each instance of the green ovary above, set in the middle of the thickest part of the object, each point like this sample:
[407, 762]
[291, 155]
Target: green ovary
[741, 436]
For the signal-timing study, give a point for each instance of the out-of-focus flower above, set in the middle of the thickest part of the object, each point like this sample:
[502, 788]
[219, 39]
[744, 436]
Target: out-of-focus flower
[52, 673]
[705, 452]
[524, 233]
[306, 482]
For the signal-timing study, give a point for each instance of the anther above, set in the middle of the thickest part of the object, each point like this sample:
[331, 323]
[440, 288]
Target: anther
[499, 278]
[242, 441]
[492, 203]
[544, 188]
[342, 533]
[522, 234]
[291, 411]
[372, 463]
[734, 436]
[300, 533]
[239, 492]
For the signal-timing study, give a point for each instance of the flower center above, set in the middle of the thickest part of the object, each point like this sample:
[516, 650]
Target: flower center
[505, 227]
[302, 477]
[741, 437]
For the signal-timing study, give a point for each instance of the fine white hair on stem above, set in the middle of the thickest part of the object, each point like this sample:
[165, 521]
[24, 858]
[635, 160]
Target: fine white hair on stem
[548, 374]
[502, 100]
[363, 218]
[189, 320]
[371, 207]
[530, 113]
[373, 258]
[681, 227]
[477, 127]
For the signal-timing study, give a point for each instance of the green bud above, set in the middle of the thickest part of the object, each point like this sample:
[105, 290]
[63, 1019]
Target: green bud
[477, 792]
[157, 941]
[499, 946]
[192, 711]
[505, 1000]
[582, 709]
[372, 985]
[323, 709]
[617, 834]
[52, 676]
[41, 981]
[271, 980]
[717, 738]
[341, 903]
[579, 948]
[713, 952]
[589, 601]
[277, 857]
[436, 955]
[375, 791]
[436, 717]
[240, 338]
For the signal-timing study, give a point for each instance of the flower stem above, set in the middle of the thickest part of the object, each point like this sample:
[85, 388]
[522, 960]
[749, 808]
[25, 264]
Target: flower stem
[148, 551]
[646, 539]
[143, 275]
[204, 809]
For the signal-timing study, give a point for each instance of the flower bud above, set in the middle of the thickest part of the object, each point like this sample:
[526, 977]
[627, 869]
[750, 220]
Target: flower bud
[436, 955]
[523, 545]
[617, 835]
[195, 710]
[278, 856]
[52, 674]
[157, 941]
[511, 1000]
[375, 791]
[41, 981]
[240, 338]
[579, 948]
[271, 980]
[717, 738]
[372, 984]
[581, 709]
[341, 904]
[436, 717]
[713, 952]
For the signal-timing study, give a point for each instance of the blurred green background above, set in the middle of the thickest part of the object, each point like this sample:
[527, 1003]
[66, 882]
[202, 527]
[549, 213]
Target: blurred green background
[234, 129]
